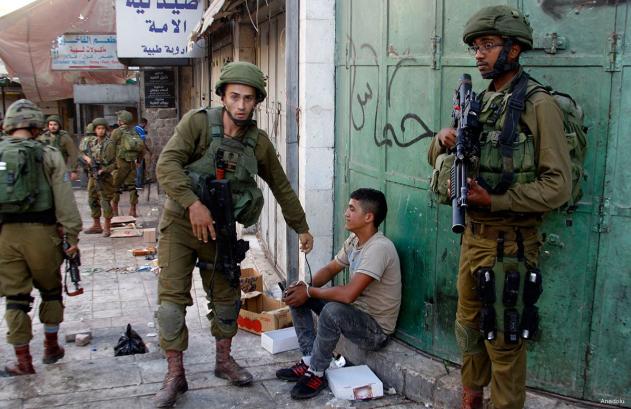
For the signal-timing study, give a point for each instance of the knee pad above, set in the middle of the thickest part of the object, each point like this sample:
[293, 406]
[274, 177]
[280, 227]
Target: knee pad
[225, 315]
[468, 339]
[21, 302]
[171, 319]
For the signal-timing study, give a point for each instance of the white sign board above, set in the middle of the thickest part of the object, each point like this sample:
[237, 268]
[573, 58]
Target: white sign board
[85, 52]
[156, 28]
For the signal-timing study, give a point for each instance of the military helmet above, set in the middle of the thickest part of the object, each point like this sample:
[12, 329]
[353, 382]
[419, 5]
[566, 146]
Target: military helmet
[124, 116]
[499, 20]
[99, 121]
[89, 129]
[23, 114]
[55, 118]
[240, 72]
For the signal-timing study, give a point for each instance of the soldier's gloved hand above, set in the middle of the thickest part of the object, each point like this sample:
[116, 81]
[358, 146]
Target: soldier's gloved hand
[306, 242]
[201, 221]
[447, 137]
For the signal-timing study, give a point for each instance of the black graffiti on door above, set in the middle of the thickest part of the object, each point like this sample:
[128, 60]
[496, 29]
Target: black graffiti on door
[360, 98]
[556, 8]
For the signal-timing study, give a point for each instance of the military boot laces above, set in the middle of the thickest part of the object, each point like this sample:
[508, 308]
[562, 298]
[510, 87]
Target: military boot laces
[471, 398]
[174, 381]
[226, 367]
[53, 352]
[24, 364]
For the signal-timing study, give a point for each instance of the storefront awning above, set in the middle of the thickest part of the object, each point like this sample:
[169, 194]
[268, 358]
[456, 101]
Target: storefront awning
[218, 9]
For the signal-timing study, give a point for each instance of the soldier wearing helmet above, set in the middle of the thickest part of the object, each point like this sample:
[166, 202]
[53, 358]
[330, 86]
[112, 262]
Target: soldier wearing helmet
[509, 192]
[62, 140]
[36, 209]
[214, 142]
[85, 148]
[129, 152]
[103, 152]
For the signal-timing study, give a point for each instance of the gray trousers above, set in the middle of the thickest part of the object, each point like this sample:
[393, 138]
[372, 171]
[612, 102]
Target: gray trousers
[335, 319]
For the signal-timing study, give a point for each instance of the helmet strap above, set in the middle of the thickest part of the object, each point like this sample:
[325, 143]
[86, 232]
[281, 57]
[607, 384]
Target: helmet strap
[501, 64]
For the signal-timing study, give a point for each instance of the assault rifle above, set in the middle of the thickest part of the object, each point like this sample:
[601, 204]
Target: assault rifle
[93, 169]
[217, 197]
[72, 267]
[465, 118]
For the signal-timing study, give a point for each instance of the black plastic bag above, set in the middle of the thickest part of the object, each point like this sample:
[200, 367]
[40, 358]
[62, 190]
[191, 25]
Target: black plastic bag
[130, 343]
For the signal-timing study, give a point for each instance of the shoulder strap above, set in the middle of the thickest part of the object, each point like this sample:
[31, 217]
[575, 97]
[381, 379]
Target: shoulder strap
[215, 124]
[516, 105]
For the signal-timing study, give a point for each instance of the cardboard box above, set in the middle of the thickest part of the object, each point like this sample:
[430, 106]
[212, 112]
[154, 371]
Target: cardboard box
[354, 383]
[149, 236]
[280, 340]
[261, 313]
[251, 280]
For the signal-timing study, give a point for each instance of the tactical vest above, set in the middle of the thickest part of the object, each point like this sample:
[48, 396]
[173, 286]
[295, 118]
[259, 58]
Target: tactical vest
[238, 161]
[98, 150]
[25, 193]
[492, 117]
[129, 145]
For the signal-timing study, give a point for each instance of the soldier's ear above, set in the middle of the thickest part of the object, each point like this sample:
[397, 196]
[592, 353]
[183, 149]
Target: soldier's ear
[515, 52]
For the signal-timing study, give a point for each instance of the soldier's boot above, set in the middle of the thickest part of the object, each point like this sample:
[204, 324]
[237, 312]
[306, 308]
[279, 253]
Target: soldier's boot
[132, 210]
[96, 227]
[471, 398]
[53, 352]
[174, 381]
[107, 227]
[24, 364]
[114, 208]
[225, 365]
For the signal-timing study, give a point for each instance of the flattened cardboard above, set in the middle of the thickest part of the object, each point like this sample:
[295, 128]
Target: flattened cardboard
[261, 313]
[149, 236]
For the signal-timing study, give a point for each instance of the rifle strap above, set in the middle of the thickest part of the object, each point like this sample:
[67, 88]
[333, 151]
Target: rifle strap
[516, 105]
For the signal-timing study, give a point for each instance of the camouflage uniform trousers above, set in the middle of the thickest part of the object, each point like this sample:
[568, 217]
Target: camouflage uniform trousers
[93, 198]
[125, 180]
[30, 256]
[106, 195]
[496, 362]
[178, 251]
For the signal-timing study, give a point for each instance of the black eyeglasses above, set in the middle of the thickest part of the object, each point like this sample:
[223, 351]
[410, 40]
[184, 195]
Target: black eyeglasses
[483, 48]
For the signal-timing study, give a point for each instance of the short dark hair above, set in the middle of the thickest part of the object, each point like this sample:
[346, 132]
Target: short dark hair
[372, 201]
[143, 120]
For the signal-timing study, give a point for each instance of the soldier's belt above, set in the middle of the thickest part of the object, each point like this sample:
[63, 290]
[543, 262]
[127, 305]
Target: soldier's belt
[493, 232]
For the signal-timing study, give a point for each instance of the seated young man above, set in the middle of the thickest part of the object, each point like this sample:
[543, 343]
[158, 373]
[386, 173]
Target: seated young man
[365, 310]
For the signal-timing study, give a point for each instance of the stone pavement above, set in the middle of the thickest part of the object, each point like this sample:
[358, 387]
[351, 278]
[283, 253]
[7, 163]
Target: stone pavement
[121, 289]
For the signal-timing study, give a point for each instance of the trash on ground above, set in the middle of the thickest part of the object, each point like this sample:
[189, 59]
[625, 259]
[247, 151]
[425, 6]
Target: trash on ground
[144, 251]
[71, 336]
[129, 343]
[151, 324]
[146, 267]
[82, 340]
[152, 334]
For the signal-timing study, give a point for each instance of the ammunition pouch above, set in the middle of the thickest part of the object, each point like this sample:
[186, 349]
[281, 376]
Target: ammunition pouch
[511, 326]
[533, 286]
[529, 324]
[488, 322]
[486, 285]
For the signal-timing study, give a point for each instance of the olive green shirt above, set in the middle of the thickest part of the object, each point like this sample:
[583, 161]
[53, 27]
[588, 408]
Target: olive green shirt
[66, 210]
[188, 144]
[64, 142]
[116, 140]
[524, 204]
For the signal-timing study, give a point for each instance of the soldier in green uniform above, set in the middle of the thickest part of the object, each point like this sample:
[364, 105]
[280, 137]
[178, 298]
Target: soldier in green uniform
[129, 151]
[501, 242]
[103, 151]
[62, 140]
[202, 139]
[85, 149]
[31, 233]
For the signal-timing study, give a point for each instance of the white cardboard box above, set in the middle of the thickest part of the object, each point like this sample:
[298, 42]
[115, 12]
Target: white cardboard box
[280, 340]
[354, 383]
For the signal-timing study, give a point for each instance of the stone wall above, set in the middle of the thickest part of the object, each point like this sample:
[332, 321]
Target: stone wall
[162, 122]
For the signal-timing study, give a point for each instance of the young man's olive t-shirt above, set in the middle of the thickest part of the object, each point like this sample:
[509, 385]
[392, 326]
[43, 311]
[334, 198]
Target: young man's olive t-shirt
[378, 259]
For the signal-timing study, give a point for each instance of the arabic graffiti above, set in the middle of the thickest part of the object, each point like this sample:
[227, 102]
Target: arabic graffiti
[360, 99]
